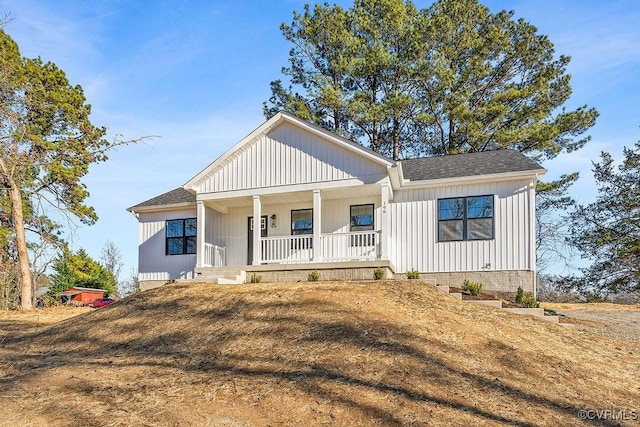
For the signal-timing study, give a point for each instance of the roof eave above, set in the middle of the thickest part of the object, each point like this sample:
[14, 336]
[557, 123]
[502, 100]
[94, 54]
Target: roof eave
[159, 208]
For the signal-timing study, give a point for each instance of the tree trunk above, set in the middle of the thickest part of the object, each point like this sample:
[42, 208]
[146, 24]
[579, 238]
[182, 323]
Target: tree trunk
[26, 300]
[396, 138]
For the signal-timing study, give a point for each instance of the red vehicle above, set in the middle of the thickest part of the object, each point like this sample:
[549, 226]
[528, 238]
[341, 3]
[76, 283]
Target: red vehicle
[101, 302]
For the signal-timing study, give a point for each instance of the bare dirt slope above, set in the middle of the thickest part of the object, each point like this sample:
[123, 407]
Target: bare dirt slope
[310, 354]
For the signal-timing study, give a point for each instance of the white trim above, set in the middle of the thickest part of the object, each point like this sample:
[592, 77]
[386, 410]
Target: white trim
[273, 122]
[395, 176]
[533, 252]
[385, 223]
[317, 226]
[256, 256]
[160, 208]
[200, 239]
[291, 188]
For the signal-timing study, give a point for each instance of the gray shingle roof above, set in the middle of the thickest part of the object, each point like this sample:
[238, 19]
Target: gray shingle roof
[472, 164]
[179, 195]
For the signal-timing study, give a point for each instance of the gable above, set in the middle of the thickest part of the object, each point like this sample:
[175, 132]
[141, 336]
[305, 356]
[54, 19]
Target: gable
[289, 152]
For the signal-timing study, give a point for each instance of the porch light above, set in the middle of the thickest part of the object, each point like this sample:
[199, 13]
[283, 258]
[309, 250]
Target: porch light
[273, 221]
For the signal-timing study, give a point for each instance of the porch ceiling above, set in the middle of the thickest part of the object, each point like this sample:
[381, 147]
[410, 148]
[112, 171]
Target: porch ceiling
[298, 196]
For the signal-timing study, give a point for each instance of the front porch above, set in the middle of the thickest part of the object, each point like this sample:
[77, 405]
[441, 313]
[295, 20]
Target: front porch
[340, 224]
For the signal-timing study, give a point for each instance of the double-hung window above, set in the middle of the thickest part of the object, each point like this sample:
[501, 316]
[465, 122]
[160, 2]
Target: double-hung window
[361, 219]
[465, 218]
[302, 223]
[181, 236]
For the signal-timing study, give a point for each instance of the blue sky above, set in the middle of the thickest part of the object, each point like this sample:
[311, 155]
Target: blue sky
[196, 73]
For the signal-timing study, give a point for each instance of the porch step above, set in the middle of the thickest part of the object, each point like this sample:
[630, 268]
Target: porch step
[490, 303]
[456, 295]
[552, 319]
[538, 312]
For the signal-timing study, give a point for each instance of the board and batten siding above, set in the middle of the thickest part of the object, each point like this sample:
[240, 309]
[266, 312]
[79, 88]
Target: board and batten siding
[287, 155]
[153, 263]
[414, 230]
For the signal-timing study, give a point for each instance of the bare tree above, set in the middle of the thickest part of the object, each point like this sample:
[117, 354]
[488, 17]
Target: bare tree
[129, 285]
[111, 259]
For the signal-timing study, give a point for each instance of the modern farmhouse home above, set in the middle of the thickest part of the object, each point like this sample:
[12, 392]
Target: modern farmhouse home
[291, 198]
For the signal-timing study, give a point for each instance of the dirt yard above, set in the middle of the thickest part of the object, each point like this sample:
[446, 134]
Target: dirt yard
[394, 353]
[609, 320]
[32, 321]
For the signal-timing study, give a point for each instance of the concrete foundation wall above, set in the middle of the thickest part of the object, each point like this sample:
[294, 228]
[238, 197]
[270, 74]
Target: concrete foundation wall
[145, 285]
[496, 282]
[302, 275]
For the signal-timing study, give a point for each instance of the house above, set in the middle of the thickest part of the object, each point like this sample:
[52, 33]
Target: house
[328, 204]
[81, 295]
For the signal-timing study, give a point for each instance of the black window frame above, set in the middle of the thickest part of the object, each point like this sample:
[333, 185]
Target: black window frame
[361, 227]
[295, 231]
[306, 243]
[184, 238]
[465, 218]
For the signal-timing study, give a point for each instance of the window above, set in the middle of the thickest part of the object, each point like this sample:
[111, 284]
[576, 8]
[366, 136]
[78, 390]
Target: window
[361, 217]
[263, 223]
[181, 236]
[465, 218]
[301, 221]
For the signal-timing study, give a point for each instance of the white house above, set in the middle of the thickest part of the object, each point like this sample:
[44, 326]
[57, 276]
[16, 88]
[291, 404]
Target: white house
[331, 205]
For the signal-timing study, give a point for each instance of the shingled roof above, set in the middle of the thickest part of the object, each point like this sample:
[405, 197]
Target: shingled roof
[472, 164]
[173, 197]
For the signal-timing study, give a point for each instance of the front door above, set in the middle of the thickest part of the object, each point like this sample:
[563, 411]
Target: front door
[263, 233]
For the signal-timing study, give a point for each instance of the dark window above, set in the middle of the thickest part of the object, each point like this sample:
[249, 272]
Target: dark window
[181, 236]
[361, 217]
[302, 223]
[465, 218]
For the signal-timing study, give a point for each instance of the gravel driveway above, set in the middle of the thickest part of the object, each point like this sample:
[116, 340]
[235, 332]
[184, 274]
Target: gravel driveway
[604, 319]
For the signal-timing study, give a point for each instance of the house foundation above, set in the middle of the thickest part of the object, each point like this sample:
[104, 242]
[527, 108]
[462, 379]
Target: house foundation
[502, 282]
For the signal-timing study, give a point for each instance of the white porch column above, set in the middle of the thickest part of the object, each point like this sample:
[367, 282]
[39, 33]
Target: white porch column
[317, 226]
[200, 230]
[384, 220]
[257, 245]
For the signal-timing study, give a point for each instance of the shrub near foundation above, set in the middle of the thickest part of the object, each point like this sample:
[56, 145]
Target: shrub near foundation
[529, 302]
[413, 274]
[474, 288]
[378, 274]
[314, 276]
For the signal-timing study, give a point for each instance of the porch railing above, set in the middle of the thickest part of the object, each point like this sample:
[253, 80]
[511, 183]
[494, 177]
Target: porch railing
[359, 245]
[287, 248]
[214, 256]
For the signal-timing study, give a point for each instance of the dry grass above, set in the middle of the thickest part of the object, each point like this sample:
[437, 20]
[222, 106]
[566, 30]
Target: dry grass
[599, 306]
[380, 353]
